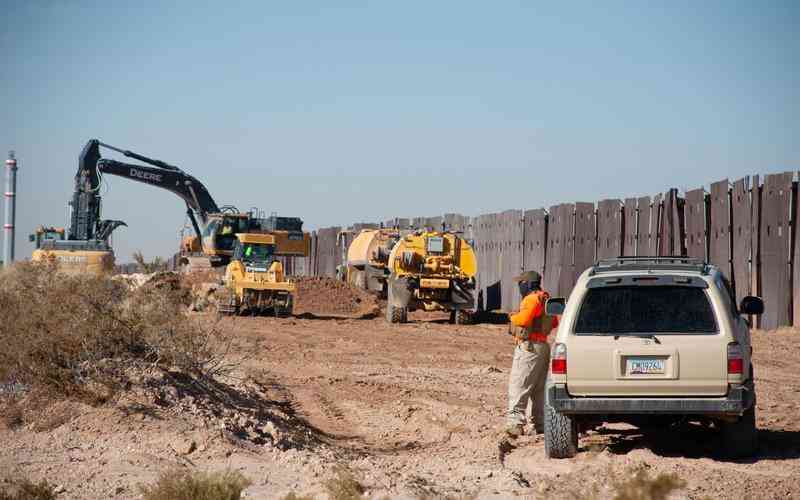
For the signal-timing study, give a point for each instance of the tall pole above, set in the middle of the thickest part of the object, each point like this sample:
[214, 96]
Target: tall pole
[11, 205]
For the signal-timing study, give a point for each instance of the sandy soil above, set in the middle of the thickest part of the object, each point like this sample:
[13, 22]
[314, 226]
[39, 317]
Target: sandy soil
[413, 410]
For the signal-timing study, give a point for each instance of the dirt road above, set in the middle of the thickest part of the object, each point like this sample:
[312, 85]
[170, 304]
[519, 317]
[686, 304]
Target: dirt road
[414, 411]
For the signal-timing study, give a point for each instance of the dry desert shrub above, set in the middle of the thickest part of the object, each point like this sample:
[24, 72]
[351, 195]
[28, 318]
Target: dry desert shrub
[84, 335]
[185, 485]
[343, 485]
[641, 486]
[25, 489]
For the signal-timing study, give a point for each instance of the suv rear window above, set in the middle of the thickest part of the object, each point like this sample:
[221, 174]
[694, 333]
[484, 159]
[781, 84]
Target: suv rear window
[654, 309]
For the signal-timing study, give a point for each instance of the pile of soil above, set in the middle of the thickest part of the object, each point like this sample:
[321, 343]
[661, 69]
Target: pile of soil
[322, 296]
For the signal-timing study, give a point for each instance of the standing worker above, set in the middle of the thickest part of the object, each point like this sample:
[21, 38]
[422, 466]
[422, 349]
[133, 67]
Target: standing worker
[530, 328]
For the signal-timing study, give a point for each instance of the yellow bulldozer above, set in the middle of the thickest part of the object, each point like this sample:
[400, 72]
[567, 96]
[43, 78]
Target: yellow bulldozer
[432, 271]
[254, 280]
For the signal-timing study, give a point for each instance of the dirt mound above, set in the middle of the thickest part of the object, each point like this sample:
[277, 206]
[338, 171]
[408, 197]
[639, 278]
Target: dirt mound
[329, 297]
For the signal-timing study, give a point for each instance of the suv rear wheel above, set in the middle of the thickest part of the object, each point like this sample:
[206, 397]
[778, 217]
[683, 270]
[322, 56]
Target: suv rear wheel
[560, 432]
[740, 438]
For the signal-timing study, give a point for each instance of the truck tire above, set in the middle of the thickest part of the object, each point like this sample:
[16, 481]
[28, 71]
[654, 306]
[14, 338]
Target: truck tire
[396, 314]
[560, 432]
[463, 317]
[740, 438]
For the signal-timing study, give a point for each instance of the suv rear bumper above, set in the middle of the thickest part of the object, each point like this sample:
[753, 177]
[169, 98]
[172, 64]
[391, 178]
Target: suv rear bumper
[739, 399]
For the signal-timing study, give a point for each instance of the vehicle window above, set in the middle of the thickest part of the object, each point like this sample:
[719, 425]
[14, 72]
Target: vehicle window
[728, 296]
[656, 309]
[257, 253]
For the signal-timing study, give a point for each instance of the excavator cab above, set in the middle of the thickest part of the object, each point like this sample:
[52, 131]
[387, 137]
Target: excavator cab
[44, 234]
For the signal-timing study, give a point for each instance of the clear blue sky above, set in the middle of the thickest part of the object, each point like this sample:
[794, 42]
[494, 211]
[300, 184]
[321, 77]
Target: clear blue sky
[375, 109]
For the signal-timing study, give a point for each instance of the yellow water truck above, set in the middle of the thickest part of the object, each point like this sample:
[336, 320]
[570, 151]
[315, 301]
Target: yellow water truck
[368, 258]
[432, 271]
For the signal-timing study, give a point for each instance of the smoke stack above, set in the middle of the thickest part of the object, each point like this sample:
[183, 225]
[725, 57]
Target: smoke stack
[11, 205]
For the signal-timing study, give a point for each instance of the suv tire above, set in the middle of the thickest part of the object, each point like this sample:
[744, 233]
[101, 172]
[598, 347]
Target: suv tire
[560, 432]
[740, 438]
[396, 314]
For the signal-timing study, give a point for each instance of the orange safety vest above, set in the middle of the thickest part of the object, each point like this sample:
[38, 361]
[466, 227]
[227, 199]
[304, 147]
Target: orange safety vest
[541, 325]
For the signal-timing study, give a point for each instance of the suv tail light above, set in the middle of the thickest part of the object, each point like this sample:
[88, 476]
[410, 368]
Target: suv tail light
[558, 361]
[735, 359]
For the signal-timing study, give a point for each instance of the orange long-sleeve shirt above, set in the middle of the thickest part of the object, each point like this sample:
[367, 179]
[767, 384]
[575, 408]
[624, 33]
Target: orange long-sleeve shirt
[532, 306]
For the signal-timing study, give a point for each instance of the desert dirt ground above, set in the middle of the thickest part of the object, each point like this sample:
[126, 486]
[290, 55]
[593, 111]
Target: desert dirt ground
[413, 411]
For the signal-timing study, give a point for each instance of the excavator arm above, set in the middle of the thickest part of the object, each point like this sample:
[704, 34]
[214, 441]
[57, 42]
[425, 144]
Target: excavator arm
[86, 223]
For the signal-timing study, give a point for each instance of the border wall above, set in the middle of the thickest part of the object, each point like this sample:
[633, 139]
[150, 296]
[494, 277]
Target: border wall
[746, 227]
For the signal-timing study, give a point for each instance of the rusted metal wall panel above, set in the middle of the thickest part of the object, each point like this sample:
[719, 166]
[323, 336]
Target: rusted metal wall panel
[669, 233]
[552, 275]
[775, 250]
[487, 248]
[418, 222]
[644, 243]
[328, 254]
[679, 225]
[585, 238]
[609, 229]
[456, 222]
[629, 227]
[719, 227]
[656, 224]
[434, 223]
[741, 224]
[559, 277]
[535, 240]
[311, 260]
[755, 241]
[510, 234]
[695, 219]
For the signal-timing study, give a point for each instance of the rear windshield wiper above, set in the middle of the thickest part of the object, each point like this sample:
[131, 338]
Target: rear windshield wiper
[638, 336]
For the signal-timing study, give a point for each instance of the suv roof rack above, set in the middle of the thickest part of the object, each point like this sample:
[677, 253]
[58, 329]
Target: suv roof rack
[665, 263]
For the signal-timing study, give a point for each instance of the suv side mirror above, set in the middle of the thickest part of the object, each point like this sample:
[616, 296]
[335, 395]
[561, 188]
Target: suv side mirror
[555, 306]
[32, 238]
[751, 305]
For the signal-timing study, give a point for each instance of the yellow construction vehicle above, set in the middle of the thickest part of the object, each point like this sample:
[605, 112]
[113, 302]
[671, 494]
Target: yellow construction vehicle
[368, 258]
[72, 257]
[255, 281]
[434, 271]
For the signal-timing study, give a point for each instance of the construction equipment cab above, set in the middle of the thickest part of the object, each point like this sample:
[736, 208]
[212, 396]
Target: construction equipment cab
[255, 280]
[651, 341]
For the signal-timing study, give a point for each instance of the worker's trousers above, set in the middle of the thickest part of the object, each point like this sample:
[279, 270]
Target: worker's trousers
[526, 383]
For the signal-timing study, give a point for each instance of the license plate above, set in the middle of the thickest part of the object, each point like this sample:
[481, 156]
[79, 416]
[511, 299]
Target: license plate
[434, 283]
[645, 366]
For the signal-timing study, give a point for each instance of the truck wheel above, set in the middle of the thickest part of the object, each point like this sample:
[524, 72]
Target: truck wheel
[740, 438]
[463, 317]
[396, 314]
[560, 432]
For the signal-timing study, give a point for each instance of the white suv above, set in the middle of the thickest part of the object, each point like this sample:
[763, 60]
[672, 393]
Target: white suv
[647, 339]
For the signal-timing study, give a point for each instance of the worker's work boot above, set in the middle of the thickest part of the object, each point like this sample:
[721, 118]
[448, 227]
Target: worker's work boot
[515, 430]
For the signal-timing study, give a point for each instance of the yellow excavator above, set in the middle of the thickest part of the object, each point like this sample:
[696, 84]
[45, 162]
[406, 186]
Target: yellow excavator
[214, 227]
[432, 271]
[255, 280]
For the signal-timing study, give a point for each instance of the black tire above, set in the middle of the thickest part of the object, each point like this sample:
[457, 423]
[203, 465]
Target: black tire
[396, 314]
[560, 432]
[463, 317]
[740, 438]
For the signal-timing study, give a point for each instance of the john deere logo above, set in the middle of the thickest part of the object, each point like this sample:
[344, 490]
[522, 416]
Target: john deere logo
[147, 176]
